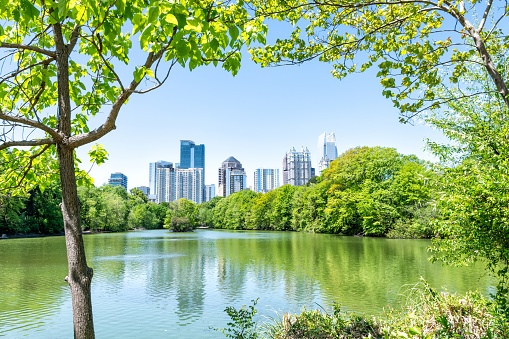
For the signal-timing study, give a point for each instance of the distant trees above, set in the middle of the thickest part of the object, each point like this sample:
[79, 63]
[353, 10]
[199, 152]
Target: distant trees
[367, 190]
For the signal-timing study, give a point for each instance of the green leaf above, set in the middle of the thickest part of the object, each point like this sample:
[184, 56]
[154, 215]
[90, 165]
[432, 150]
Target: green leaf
[153, 14]
[171, 19]
[139, 73]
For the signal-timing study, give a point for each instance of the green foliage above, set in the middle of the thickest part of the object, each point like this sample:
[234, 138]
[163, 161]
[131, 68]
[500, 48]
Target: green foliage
[241, 325]
[180, 224]
[427, 314]
[141, 216]
[473, 176]
[182, 208]
[368, 191]
[416, 45]
[99, 39]
[10, 213]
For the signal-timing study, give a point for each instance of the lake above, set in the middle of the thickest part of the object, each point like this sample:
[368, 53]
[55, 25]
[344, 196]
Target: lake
[152, 284]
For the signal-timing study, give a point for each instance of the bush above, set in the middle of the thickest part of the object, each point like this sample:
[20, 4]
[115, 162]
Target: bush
[180, 224]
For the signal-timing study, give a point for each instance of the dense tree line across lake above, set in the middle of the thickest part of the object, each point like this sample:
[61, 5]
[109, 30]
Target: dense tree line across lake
[371, 191]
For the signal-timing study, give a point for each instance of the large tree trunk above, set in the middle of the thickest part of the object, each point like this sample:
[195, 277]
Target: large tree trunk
[80, 275]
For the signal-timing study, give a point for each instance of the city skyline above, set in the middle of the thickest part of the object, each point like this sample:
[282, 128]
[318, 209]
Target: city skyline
[313, 109]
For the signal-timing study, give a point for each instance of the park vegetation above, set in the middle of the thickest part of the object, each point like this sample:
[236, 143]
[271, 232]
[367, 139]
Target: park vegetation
[372, 191]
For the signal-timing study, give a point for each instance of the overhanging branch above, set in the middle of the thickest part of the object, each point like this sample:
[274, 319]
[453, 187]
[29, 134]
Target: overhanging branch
[28, 47]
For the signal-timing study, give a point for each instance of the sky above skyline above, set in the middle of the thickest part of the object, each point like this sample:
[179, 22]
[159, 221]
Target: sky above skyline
[256, 117]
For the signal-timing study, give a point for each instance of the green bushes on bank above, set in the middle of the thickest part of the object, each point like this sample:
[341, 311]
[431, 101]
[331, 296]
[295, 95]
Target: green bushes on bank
[428, 314]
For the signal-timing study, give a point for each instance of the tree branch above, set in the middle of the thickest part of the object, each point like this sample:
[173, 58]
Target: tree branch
[486, 12]
[25, 143]
[27, 47]
[31, 123]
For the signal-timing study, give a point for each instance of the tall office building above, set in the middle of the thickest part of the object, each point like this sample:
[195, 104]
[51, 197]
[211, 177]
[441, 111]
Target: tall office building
[210, 192]
[297, 168]
[118, 179]
[232, 177]
[192, 156]
[165, 184]
[327, 151]
[152, 175]
[266, 179]
[189, 184]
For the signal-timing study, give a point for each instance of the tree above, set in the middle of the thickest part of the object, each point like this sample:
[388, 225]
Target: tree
[474, 176]
[412, 43]
[63, 60]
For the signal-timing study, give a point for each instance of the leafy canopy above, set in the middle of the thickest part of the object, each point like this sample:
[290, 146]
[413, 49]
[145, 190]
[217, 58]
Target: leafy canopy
[113, 49]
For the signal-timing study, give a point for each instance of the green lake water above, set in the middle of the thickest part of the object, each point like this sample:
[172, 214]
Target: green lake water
[153, 284]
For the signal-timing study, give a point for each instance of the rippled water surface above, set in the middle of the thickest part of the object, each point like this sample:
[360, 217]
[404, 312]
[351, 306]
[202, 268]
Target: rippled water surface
[154, 284]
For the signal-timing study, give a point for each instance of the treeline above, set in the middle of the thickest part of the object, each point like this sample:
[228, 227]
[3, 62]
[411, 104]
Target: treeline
[371, 191]
[106, 208]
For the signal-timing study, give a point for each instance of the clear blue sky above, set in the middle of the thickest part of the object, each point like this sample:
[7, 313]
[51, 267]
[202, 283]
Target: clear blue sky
[256, 117]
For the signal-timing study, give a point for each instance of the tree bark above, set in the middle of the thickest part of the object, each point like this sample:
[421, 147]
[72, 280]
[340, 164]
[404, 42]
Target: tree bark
[80, 275]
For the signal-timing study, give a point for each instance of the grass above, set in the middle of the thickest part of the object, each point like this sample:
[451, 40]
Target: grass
[427, 314]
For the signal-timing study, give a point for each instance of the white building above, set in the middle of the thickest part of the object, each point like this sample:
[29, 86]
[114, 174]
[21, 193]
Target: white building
[165, 184]
[152, 175]
[210, 192]
[297, 168]
[265, 180]
[327, 151]
[189, 184]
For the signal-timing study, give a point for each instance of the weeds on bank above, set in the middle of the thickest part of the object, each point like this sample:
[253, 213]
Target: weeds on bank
[428, 314]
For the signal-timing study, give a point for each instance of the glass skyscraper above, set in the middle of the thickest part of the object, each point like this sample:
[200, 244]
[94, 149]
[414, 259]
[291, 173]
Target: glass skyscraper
[191, 155]
[118, 179]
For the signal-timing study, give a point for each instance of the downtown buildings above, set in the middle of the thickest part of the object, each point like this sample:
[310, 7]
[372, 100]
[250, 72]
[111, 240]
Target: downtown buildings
[184, 180]
[327, 151]
[266, 179]
[118, 179]
[232, 177]
[297, 168]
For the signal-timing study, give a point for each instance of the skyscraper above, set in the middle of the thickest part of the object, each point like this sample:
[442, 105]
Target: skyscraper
[189, 184]
[327, 151]
[232, 177]
[266, 179]
[118, 179]
[210, 192]
[297, 167]
[152, 175]
[165, 184]
[192, 156]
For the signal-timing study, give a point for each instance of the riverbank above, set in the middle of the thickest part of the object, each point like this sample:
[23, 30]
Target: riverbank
[428, 314]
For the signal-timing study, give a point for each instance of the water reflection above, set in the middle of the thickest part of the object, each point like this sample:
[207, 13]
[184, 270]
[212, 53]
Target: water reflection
[160, 284]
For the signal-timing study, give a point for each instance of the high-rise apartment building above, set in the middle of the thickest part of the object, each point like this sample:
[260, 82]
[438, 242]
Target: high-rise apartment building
[210, 192]
[165, 184]
[152, 175]
[192, 156]
[118, 179]
[266, 179]
[189, 184]
[327, 151]
[297, 167]
[232, 177]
